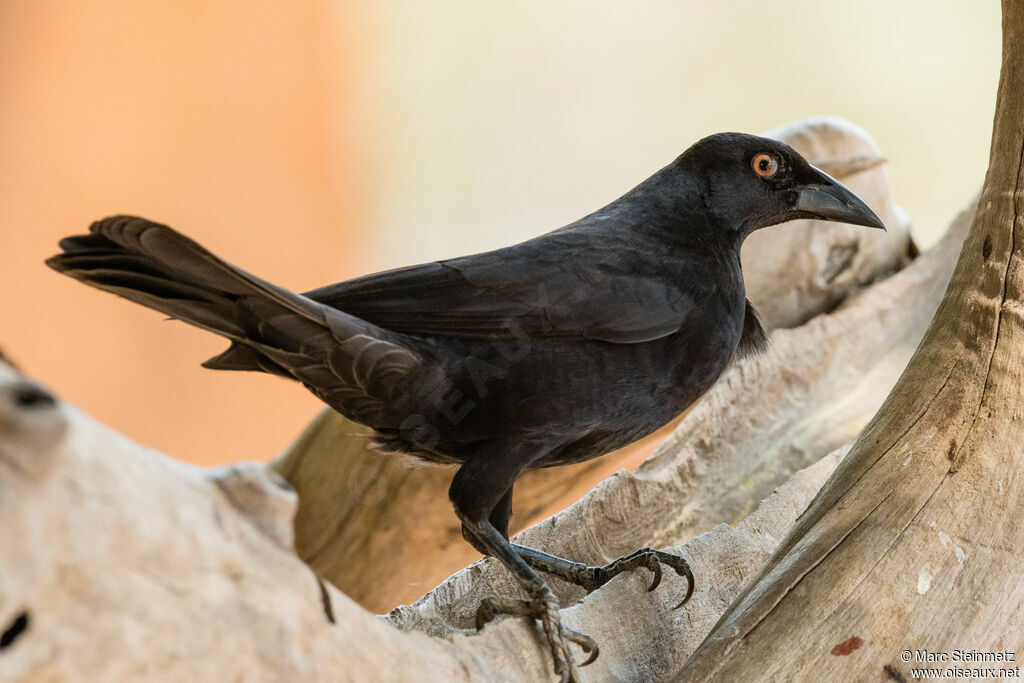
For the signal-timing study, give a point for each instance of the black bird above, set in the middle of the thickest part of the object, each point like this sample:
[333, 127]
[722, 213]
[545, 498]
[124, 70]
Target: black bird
[552, 351]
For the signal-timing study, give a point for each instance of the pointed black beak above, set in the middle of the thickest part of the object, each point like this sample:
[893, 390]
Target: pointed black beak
[828, 199]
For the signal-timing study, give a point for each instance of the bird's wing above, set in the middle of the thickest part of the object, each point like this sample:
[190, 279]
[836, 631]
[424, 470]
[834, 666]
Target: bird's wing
[560, 285]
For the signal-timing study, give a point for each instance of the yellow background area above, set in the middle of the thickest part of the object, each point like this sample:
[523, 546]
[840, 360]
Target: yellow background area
[312, 142]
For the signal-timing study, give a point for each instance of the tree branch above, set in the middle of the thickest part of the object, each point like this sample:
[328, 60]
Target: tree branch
[911, 543]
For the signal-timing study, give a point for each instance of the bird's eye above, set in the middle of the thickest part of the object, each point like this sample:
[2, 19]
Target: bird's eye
[765, 165]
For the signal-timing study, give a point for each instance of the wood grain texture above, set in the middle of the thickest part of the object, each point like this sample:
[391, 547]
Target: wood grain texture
[913, 542]
[120, 564]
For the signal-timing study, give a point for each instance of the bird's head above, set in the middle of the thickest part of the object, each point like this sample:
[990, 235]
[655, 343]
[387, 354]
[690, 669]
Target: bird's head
[751, 182]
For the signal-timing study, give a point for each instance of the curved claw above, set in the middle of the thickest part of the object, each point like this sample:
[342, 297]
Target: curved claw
[557, 634]
[688, 573]
[586, 643]
[653, 559]
[490, 608]
[657, 575]
[593, 651]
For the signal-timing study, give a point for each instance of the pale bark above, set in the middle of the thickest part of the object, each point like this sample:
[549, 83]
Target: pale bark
[120, 564]
[384, 533]
[912, 544]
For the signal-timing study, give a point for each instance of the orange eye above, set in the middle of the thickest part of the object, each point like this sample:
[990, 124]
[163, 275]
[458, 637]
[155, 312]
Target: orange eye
[765, 165]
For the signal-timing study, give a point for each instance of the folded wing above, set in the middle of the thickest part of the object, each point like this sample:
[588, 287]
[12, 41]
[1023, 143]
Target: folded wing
[558, 285]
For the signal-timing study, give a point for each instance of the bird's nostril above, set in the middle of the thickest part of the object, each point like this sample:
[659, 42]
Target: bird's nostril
[31, 397]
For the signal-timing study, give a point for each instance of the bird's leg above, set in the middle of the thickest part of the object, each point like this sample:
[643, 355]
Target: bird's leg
[469, 493]
[592, 578]
[541, 604]
[499, 519]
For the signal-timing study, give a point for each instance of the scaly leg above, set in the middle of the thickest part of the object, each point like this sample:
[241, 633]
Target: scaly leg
[477, 489]
[541, 605]
[592, 578]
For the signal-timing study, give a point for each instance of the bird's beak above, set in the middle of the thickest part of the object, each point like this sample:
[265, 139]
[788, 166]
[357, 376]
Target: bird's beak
[828, 199]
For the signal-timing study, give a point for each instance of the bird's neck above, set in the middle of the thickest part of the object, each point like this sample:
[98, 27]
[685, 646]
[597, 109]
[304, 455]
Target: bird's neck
[674, 208]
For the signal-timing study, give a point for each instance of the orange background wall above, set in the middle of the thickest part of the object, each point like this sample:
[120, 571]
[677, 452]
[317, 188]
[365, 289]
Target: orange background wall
[226, 120]
[313, 141]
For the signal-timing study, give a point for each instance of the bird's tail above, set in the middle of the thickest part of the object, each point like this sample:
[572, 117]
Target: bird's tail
[272, 329]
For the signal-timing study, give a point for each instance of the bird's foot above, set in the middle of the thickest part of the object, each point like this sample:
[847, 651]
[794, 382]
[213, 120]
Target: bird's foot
[651, 559]
[592, 578]
[544, 608]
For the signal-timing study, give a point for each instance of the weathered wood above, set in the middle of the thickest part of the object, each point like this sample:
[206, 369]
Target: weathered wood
[120, 564]
[912, 544]
[360, 509]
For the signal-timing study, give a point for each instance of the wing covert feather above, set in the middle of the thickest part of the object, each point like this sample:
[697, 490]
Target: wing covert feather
[554, 286]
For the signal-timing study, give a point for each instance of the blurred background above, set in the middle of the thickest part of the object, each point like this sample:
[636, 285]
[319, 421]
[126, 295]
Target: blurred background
[312, 142]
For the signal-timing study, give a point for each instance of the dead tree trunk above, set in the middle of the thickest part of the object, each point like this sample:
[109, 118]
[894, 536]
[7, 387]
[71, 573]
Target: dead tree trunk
[120, 564]
[912, 544]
